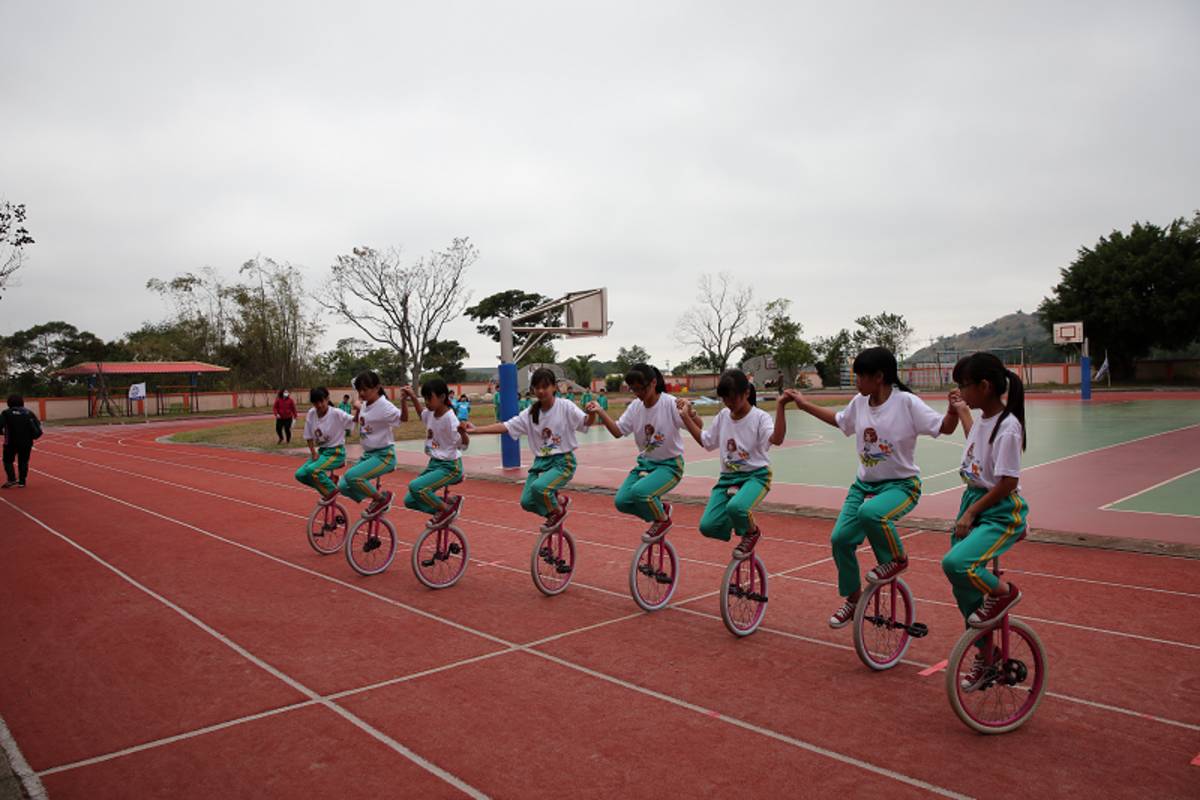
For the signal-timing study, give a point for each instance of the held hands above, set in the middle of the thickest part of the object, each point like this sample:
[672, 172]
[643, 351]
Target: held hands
[957, 404]
[466, 427]
[592, 407]
[791, 394]
[407, 391]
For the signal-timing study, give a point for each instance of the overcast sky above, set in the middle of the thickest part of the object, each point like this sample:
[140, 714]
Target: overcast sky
[938, 160]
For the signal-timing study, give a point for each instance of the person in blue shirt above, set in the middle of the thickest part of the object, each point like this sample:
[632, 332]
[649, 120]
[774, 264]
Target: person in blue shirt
[463, 407]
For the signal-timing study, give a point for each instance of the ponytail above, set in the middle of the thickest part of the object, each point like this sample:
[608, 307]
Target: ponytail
[880, 359]
[1015, 405]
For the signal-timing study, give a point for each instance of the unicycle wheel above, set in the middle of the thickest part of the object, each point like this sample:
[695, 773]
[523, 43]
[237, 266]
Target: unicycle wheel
[882, 620]
[744, 595]
[1014, 680]
[371, 545]
[440, 556]
[654, 574]
[552, 564]
[327, 528]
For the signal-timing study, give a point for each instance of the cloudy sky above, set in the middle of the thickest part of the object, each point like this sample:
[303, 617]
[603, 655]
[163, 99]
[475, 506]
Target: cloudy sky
[939, 160]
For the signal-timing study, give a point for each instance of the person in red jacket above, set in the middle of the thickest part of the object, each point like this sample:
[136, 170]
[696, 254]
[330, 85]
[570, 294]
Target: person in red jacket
[285, 412]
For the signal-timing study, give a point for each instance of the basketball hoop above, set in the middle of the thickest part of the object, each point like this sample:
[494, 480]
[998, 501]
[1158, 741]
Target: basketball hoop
[1068, 333]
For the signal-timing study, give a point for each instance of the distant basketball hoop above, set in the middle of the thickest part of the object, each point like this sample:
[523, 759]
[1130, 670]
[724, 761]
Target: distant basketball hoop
[1068, 333]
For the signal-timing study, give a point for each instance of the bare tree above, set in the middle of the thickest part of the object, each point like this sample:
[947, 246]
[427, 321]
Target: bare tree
[717, 325]
[402, 307]
[14, 238]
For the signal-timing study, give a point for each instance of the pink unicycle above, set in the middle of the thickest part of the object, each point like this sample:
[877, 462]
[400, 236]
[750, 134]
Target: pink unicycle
[552, 564]
[327, 525]
[1005, 694]
[885, 624]
[441, 553]
[371, 543]
[744, 595]
[654, 574]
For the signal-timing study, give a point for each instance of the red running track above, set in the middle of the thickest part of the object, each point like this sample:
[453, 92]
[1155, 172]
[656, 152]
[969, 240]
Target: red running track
[169, 632]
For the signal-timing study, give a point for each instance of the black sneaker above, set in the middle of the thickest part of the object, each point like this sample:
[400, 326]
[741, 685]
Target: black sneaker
[8, 484]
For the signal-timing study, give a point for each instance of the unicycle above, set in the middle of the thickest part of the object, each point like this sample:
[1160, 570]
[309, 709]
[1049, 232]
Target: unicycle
[654, 574]
[1014, 678]
[552, 563]
[371, 543]
[885, 624]
[440, 554]
[744, 595]
[327, 525]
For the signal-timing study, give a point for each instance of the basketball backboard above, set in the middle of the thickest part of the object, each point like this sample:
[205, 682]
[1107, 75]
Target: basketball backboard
[1068, 333]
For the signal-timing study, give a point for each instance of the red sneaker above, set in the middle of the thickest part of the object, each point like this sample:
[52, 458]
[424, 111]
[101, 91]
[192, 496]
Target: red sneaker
[659, 529]
[842, 617]
[994, 607]
[981, 669]
[743, 550]
[379, 505]
[453, 505]
[556, 518]
[883, 573]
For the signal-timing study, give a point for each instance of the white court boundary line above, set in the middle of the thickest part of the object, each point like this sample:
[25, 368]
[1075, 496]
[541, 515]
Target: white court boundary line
[30, 782]
[1109, 506]
[278, 674]
[392, 743]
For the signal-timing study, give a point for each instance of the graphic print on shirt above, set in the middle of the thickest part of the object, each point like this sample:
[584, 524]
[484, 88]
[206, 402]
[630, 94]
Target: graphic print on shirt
[735, 458]
[653, 440]
[970, 469]
[429, 442]
[875, 450]
[550, 442]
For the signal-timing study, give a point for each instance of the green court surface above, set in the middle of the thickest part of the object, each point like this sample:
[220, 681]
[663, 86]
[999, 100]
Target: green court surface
[1180, 496]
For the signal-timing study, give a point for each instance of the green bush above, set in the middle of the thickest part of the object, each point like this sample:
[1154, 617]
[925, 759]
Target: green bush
[613, 382]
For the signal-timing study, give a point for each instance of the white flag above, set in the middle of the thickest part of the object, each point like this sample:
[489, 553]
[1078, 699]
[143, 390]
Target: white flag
[1100, 373]
[137, 391]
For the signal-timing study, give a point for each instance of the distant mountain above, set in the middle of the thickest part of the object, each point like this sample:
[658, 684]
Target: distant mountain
[1011, 330]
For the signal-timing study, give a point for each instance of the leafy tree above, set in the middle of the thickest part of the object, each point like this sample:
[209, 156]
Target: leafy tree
[14, 238]
[203, 308]
[446, 359]
[627, 357]
[541, 353]
[274, 327]
[779, 339]
[32, 355]
[697, 363]
[755, 346]
[512, 303]
[831, 352]
[579, 369]
[1133, 292]
[720, 319]
[883, 330]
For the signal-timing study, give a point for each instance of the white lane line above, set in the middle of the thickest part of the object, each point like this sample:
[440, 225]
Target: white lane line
[1089, 452]
[28, 779]
[397, 746]
[312, 695]
[1109, 506]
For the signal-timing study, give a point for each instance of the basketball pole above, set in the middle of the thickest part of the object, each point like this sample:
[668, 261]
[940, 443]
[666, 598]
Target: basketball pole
[510, 449]
[1085, 373]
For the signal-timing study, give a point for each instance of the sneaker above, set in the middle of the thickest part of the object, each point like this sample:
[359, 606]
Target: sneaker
[980, 670]
[842, 617]
[328, 500]
[20, 484]
[659, 529]
[746, 547]
[555, 519]
[885, 572]
[994, 607]
[453, 504]
[8, 484]
[379, 506]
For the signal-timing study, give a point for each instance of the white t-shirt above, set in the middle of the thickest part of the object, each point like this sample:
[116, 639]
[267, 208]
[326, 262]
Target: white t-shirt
[656, 429]
[329, 430]
[743, 443]
[887, 434]
[984, 464]
[375, 423]
[554, 432]
[442, 439]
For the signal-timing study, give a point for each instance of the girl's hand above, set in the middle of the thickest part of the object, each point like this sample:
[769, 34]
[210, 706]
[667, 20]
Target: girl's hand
[684, 405]
[954, 398]
[592, 407]
[467, 426]
[964, 524]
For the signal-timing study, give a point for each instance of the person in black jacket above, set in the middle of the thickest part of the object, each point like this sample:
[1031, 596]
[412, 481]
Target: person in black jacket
[20, 427]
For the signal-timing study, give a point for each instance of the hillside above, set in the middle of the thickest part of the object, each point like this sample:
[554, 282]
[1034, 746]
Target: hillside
[1008, 331]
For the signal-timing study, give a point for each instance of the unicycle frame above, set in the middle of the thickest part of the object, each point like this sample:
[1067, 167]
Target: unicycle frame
[324, 513]
[375, 525]
[443, 550]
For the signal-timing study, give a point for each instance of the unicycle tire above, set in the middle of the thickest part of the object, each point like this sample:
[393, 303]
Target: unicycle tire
[744, 595]
[327, 528]
[365, 558]
[1008, 698]
[440, 556]
[882, 620]
[552, 564]
[654, 574]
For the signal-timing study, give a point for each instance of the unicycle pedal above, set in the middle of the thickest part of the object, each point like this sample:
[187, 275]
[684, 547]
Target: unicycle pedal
[918, 630]
[562, 568]
[455, 548]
